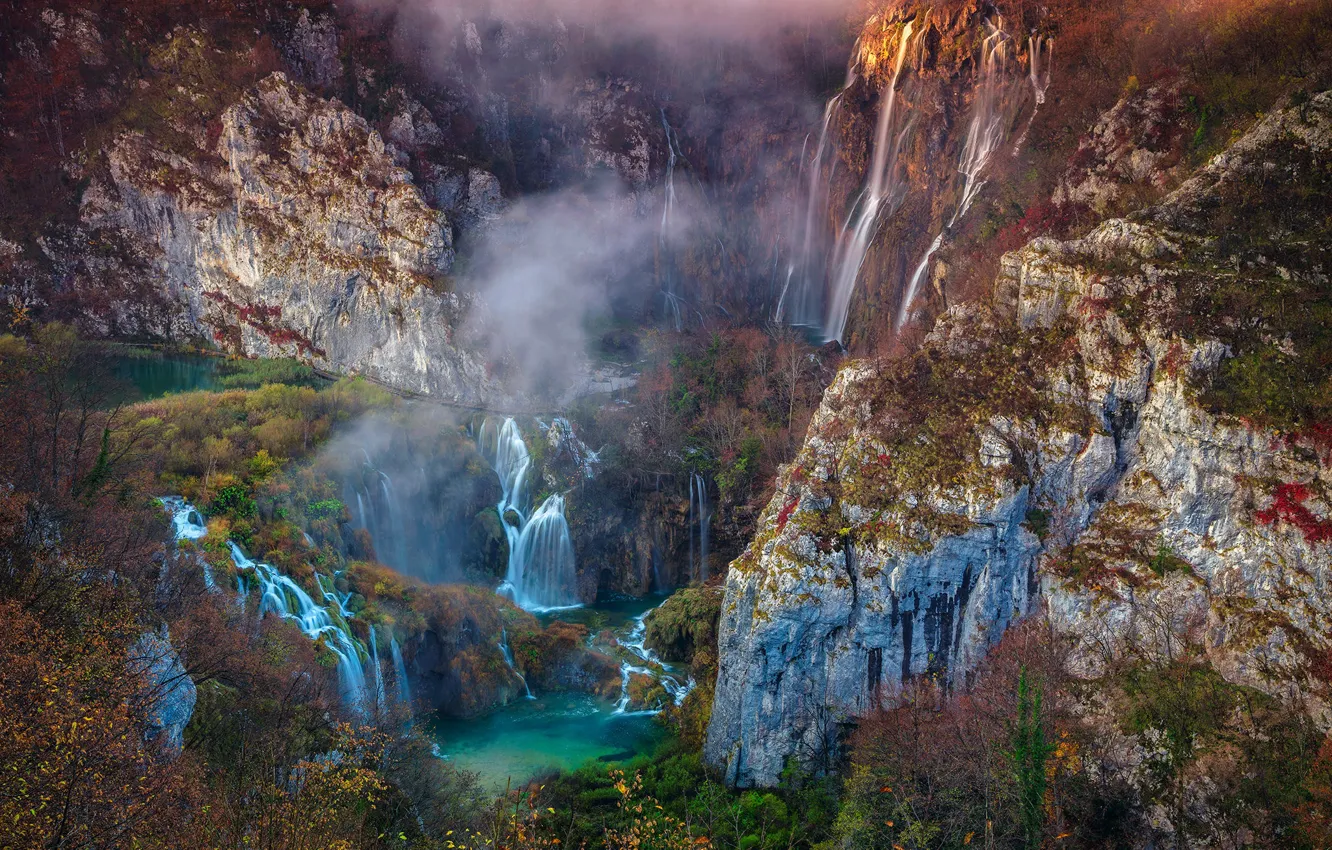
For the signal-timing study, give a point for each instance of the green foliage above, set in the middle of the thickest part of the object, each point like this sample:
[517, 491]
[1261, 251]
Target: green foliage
[1029, 753]
[233, 501]
[325, 509]
[253, 374]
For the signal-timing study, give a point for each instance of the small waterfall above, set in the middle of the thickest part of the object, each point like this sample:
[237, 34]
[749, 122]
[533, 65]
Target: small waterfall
[507, 652]
[649, 664]
[542, 570]
[381, 702]
[700, 520]
[806, 268]
[400, 672]
[284, 597]
[880, 199]
[188, 524]
[583, 456]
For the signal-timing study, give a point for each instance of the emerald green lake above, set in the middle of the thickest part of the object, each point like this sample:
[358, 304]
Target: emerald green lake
[153, 375]
[554, 731]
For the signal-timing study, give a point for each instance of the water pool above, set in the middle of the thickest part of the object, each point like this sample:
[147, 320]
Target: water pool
[555, 730]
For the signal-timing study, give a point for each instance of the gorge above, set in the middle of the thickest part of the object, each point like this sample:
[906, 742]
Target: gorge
[445, 424]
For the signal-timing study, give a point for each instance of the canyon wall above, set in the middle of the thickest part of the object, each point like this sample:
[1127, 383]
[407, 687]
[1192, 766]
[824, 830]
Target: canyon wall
[1079, 446]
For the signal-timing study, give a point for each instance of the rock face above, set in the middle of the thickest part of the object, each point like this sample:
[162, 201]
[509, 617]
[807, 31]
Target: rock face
[169, 692]
[1062, 450]
[300, 237]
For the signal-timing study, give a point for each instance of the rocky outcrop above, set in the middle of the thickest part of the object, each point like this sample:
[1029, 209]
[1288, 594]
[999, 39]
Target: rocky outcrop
[298, 235]
[1074, 447]
[168, 692]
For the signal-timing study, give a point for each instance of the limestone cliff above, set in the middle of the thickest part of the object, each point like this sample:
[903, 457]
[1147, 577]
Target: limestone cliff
[1105, 442]
[296, 234]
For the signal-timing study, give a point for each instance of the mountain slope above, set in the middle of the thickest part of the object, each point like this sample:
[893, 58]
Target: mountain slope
[1112, 438]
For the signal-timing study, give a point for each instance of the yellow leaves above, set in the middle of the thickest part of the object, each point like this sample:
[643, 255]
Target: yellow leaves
[969, 836]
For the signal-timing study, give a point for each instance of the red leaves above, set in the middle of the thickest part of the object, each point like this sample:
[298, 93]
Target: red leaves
[1288, 506]
[787, 510]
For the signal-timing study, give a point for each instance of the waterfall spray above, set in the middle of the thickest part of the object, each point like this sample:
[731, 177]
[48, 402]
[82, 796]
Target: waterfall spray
[880, 199]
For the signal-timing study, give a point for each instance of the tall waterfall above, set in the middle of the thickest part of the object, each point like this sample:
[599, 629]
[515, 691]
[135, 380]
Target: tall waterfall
[670, 294]
[284, 597]
[541, 571]
[807, 270]
[880, 199]
[985, 133]
[400, 672]
[700, 521]
[381, 702]
[1039, 74]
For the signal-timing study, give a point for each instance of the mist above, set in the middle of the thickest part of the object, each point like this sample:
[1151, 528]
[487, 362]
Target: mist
[552, 266]
[414, 481]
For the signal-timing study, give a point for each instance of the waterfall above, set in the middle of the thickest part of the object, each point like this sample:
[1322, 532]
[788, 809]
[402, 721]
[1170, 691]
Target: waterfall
[381, 703]
[986, 129]
[505, 451]
[806, 269]
[542, 567]
[985, 132]
[914, 283]
[400, 671]
[880, 199]
[1039, 76]
[284, 597]
[541, 571]
[507, 652]
[670, 297]
[188, 524]
[700, 518]
[649, 663]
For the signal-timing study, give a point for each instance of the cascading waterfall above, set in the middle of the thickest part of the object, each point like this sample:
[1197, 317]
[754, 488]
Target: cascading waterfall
[880, 199]
[507, 652]
[400, 672]
[700, 521]
[806, 269]
[381, 701]
[188, 524]
[284, 597]
[649, 664]
[542, 571]
[985, 132]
